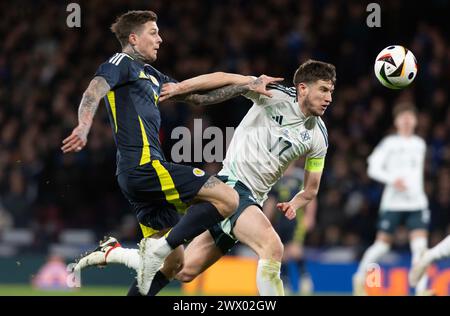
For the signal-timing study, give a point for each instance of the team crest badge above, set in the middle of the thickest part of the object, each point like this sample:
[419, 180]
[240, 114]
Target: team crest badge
[198, 172]
[305, 136]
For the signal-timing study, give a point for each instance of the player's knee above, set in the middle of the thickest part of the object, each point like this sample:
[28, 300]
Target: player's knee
[271, 247]
[277, 248]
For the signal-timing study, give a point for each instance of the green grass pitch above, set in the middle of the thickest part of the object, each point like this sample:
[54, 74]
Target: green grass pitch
[26, 290]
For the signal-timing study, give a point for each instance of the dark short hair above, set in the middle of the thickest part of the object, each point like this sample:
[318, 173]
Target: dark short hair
[131, 22]
[313, 70]
[401, 107]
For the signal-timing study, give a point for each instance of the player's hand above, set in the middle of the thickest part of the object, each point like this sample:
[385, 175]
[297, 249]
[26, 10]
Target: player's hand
[259, 85]
[288, 210]
[400, 185]
[168, 90]
[76, 141]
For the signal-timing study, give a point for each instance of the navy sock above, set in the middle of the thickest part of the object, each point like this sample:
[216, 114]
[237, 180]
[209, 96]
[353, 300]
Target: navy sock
[158, 283]
[198, 218]
[133, 291]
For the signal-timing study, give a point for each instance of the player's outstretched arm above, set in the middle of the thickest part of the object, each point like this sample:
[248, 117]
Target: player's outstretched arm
[228, 92]
[203, 82]
[305, 196]
[97, 89]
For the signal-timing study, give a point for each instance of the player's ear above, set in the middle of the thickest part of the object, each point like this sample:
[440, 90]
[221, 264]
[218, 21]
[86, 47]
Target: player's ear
[302, 89]
[132, 39]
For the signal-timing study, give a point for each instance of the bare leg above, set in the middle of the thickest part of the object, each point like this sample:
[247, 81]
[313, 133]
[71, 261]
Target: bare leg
[200, 254]
[218, 201]
[173, 263]
[254, 229]
[222, 196]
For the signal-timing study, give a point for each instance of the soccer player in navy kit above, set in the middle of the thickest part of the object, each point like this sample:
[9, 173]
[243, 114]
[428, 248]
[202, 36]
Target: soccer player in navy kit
[158, 191]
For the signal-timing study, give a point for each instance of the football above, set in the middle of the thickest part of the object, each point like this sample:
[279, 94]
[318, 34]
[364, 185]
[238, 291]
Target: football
[395, 67]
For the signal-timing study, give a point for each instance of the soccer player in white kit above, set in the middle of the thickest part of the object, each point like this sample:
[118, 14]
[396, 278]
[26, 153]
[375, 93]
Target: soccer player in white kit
[276, 131]
[398, 162]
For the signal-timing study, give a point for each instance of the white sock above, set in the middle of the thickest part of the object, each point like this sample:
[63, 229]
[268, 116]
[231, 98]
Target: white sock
[418, 247]
[440, 251]
[127, 256]
[372, 255]
[268, 278]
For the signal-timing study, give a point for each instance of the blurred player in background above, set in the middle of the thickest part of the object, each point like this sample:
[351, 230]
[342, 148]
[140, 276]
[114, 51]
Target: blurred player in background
[398, 162]
[440, 251]
[159, 191]
[292, 232]
[276, 131]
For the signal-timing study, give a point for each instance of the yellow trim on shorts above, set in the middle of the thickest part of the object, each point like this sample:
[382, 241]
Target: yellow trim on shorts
[145, 157]
[112, 104]
[314, 164]
[167, 234]
[148, 231]
[168, 187]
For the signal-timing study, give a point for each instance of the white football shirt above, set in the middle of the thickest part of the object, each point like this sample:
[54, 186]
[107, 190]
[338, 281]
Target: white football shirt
[400, 157]
[273, 133]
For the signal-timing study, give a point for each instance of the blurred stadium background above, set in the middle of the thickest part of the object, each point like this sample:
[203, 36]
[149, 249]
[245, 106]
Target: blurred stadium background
[54, 206]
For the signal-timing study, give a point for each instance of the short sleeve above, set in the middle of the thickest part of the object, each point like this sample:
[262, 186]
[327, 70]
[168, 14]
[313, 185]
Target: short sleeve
[319, 145]
[115, 70]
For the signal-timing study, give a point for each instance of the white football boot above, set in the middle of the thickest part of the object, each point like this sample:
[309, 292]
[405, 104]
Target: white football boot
[99, 255]
[152, 259]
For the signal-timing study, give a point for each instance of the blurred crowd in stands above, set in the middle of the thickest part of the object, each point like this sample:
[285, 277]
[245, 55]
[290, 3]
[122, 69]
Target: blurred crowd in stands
[45, 67]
